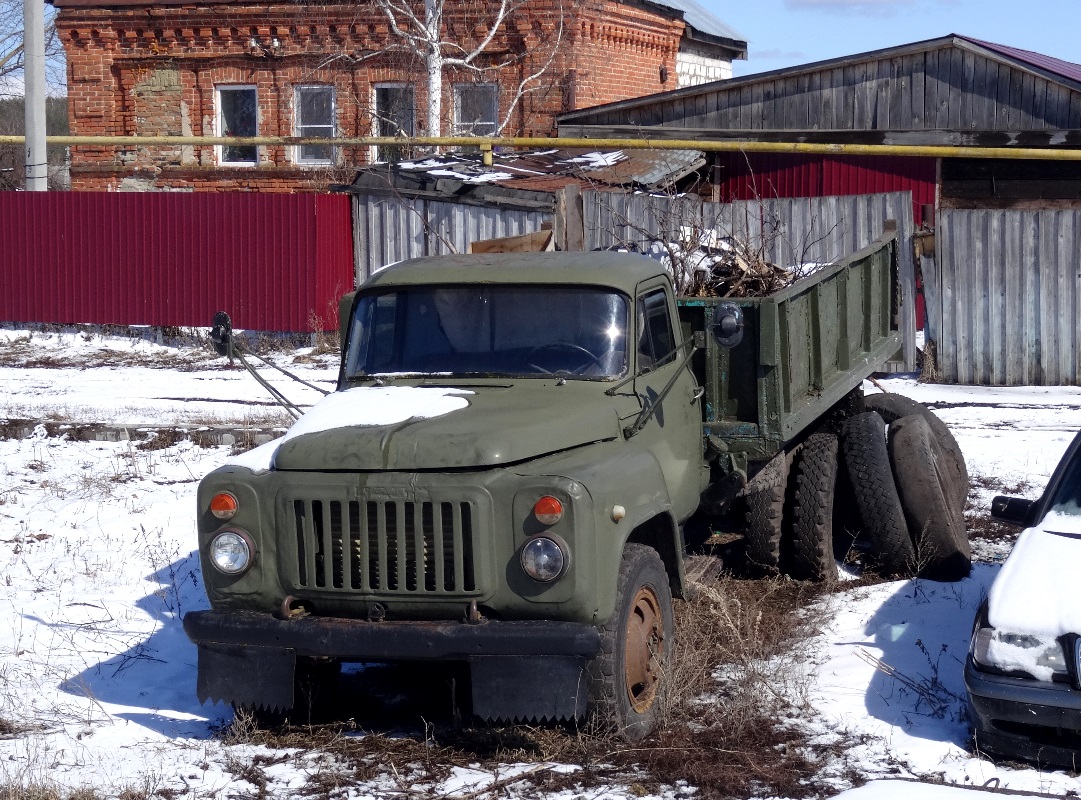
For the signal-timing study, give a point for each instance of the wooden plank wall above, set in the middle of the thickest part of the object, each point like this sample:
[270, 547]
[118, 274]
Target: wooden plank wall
[1004, 302]
[946, 89]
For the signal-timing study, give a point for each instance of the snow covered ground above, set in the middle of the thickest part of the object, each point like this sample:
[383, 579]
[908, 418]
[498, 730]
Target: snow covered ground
[97, 680]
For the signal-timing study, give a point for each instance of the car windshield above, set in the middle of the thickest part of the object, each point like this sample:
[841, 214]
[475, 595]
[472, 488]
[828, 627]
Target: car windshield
[571, 331]
[1067, 497]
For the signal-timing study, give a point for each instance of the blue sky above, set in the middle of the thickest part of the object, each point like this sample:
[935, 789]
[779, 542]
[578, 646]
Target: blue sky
[782, 33]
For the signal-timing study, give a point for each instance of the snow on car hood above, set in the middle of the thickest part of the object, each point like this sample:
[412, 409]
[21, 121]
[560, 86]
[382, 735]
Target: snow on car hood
[361, 406]
[1037, 592]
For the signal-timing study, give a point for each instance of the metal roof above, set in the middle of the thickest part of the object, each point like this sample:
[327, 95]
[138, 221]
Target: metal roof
[703, 21]
[1064, 69]
[534, 171]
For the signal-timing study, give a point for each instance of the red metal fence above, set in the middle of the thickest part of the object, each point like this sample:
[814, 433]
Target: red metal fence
[765, 175]
[273, 261]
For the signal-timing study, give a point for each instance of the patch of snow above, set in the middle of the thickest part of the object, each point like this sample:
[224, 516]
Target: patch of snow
[597, 160]
[481, 177]
[1037, 592]
[361, 406]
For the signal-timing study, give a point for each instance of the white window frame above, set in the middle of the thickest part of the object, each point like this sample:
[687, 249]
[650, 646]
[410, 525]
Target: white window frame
[298, 156]
[377, 123]
[470, 128]
[220, 122]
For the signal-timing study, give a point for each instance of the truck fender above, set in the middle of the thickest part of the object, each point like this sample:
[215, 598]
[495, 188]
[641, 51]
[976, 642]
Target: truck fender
[662, 534]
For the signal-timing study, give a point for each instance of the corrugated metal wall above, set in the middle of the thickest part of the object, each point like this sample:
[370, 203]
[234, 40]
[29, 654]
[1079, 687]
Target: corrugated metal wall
[173, 259]
[787, 232]
[1003, 301]
[392, 229]
[747, 176]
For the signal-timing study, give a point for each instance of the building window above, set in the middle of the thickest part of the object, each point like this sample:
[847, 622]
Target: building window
[476, 109]
[315, 117]
[238, 115]
[395, 115]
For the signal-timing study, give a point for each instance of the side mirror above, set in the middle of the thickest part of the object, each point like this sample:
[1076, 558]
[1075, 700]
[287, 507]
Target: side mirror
[728, 328]
[1013, 510]
[345, 311]
[221, 334]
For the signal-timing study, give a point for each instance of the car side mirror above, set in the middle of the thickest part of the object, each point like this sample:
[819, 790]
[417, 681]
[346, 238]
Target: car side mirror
[345, 312]
[1013, 510]
[728, 328]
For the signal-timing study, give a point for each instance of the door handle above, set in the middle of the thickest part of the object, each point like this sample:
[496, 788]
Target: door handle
[697, 394]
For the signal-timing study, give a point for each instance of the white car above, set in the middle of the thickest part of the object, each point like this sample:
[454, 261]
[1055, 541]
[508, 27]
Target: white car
[1023, 672]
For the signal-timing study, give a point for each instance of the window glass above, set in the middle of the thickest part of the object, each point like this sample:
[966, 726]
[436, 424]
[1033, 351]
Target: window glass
[238, 115]
[315, 117]
[1067, 499]
[476, 109]
[490, 330]
[655, 339]
[395, 113]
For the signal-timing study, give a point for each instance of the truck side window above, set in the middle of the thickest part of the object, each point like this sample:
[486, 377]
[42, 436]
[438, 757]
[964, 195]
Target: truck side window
[655, 339]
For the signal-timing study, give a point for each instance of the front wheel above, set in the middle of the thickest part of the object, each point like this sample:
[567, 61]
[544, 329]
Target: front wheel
[629, 679]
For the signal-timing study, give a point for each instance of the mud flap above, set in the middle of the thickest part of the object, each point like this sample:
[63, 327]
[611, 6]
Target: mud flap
[244, 675]
[526, 689]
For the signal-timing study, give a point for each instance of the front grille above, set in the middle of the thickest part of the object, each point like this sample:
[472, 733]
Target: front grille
[384, 546]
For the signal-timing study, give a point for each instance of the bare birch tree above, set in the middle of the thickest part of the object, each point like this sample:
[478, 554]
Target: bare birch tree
[11, 50]
[424, 33]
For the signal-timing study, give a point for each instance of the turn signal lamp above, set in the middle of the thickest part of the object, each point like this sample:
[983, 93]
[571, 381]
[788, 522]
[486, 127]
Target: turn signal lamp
[223, 505]
[548, 510]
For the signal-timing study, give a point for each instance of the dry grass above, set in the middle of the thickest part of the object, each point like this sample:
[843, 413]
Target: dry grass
[739, 672]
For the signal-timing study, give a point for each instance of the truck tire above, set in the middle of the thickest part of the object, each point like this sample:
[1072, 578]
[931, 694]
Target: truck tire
[765, 516]
[628, 679]
[893, 407]
[812, 510]
[943, 551]
[881, 515]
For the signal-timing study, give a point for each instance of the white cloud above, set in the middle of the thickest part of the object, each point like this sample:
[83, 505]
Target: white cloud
[875, 8]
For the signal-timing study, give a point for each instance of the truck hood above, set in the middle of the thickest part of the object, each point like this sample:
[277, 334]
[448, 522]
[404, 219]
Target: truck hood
[405, 428]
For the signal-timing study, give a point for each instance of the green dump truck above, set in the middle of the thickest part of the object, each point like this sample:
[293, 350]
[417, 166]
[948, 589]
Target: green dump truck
[503, 475]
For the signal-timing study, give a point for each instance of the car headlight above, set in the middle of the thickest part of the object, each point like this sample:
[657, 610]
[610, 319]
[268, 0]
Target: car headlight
[543, 559]
[232, 552]
[1003, 651]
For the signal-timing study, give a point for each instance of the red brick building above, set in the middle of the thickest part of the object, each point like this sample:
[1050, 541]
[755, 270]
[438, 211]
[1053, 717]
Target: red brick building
[175, 67]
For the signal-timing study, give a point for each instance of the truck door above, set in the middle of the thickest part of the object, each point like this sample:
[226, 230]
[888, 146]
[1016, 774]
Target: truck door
[674, 434]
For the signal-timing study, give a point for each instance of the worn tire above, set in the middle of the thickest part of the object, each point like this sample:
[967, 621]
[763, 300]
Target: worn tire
[765, 516]
[812, 510]
[920, 469]
[893, 407]
[881, 515]
[629, 678]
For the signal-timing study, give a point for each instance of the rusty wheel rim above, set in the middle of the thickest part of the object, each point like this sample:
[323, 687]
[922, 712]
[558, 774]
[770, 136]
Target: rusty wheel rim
[643, 649]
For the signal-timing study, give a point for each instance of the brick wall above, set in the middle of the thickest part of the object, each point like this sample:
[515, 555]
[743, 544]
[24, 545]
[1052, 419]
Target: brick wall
[154, 69]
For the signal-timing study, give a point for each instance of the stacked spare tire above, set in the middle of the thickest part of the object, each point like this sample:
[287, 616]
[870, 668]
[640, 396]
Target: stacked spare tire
[892, 484]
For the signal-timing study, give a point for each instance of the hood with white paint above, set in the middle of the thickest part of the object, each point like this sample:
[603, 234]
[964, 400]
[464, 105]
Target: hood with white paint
[417, 428]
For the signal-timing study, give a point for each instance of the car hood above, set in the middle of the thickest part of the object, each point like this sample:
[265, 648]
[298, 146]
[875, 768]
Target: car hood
[1037, 591]
[425, 427]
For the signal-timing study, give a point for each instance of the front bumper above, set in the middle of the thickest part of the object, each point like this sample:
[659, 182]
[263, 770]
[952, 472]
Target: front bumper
[1024, 718]
[530, 669]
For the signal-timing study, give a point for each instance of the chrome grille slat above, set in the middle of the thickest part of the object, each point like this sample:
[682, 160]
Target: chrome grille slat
[383, 546]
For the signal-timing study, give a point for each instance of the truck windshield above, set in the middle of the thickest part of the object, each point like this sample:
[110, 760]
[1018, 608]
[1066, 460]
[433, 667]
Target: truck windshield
[571, 331]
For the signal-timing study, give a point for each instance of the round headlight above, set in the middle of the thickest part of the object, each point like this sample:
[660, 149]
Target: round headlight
[231, 552]
[543, 559]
